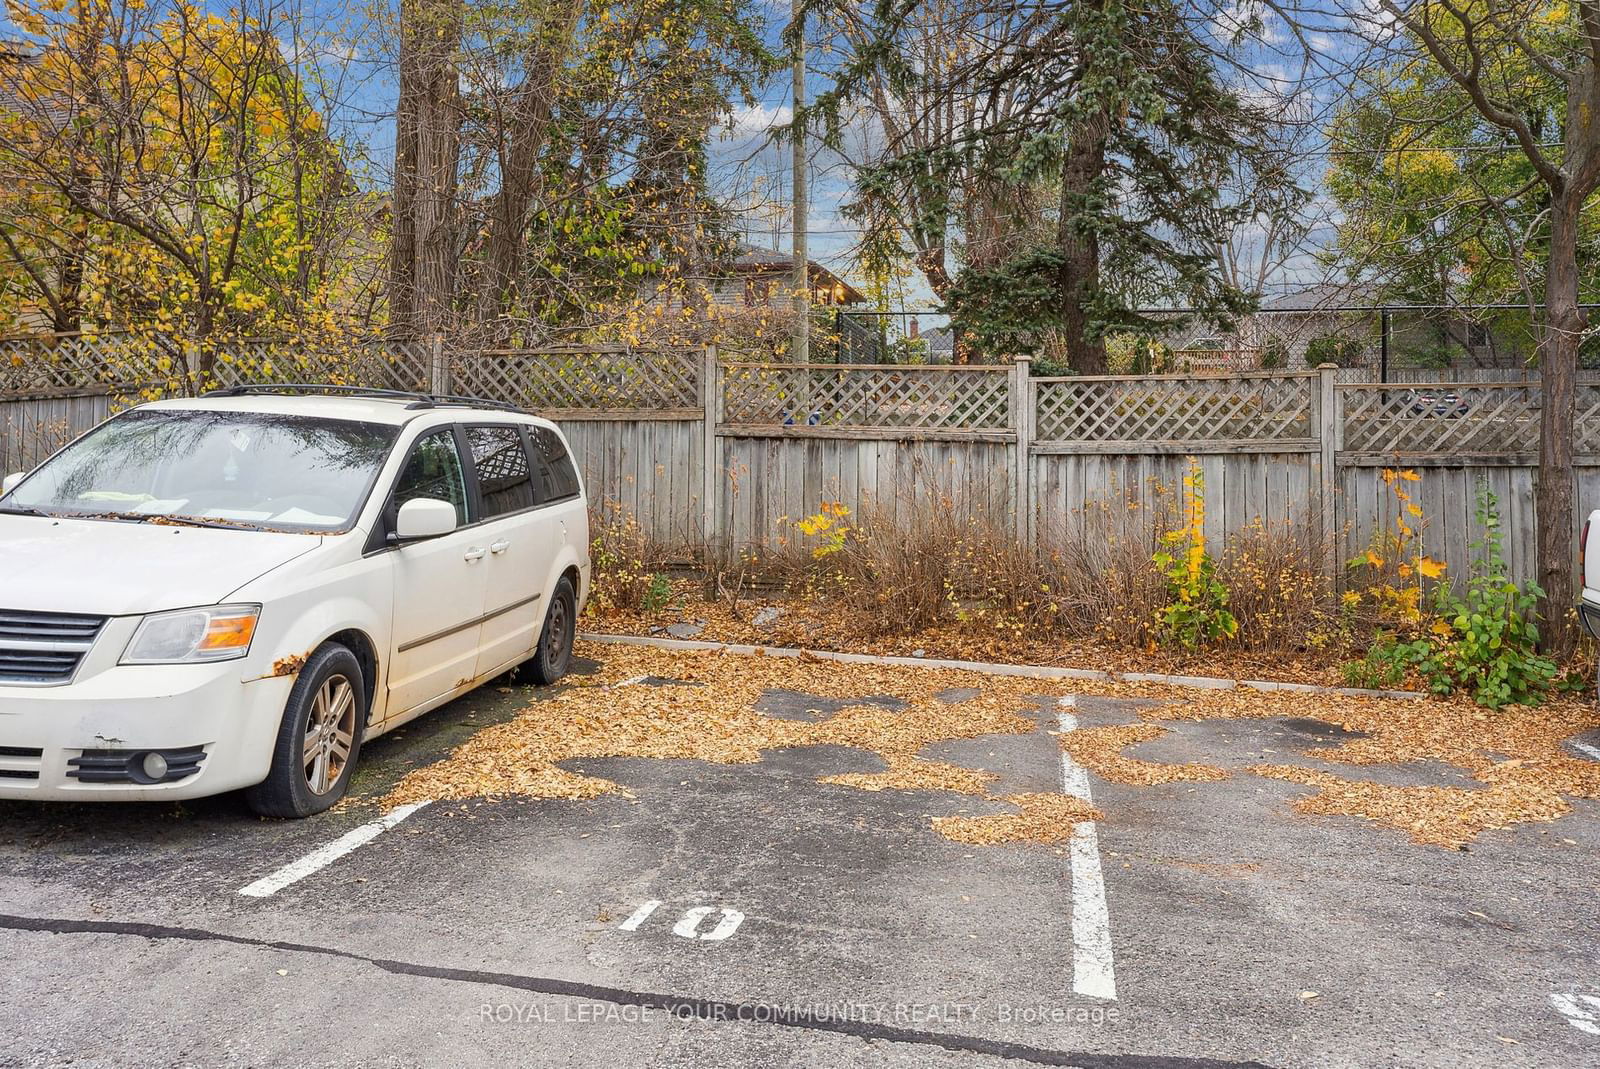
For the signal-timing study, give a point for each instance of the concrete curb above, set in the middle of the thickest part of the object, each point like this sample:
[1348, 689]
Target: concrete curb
[1034, 671]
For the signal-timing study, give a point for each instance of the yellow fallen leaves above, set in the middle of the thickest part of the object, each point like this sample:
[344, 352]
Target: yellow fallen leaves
[708, 714]
[1443, 816]
[1515, 752]
[1040, 818]
[1101, 749]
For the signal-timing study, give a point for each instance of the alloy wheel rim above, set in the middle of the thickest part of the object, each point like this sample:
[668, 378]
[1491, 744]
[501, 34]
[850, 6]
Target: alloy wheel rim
[330, 734]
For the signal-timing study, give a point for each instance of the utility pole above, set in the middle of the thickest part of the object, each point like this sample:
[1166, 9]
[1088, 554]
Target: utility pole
[800, 346]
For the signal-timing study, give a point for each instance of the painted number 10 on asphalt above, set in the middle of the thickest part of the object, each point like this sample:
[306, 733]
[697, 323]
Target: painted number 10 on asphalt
[688, 926]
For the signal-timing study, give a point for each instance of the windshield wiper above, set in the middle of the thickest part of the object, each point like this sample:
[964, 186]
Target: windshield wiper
[26, 510]
[161, 519]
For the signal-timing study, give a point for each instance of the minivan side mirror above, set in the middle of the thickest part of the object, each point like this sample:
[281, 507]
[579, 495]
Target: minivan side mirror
[424, 517]
[11, 481]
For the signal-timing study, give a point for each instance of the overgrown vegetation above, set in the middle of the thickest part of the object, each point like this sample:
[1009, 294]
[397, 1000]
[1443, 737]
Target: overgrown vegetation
[1481, 639]
[1196, 611]
[626, 565]
[1333, 349]
[1135, 573]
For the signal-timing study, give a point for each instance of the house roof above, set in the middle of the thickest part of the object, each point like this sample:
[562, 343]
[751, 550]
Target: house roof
[14, 57]
[751, 259]
[1323, 295]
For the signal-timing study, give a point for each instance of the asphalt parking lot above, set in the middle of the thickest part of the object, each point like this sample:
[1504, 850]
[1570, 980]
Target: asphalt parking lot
[732, 915]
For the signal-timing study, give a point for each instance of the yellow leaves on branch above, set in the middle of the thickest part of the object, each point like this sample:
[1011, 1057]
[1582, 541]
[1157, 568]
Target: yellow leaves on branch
[1399, 596]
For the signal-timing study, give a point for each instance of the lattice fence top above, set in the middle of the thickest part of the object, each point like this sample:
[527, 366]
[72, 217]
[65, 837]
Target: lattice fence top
[1457, 418]
[910, 397]
[392, 365]
[623, 380]
[158, 364]
[77, 361]
[1247, 409]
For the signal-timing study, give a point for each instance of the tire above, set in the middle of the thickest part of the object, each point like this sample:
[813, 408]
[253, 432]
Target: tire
[319, 739]
[553, 656]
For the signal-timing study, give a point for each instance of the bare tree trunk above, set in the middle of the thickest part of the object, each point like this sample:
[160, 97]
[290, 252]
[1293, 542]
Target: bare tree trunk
[503, 249]
[1564, 324]
[402, 226]
[427, 154]
[1079, 274]
[521, 176]
[68, 311]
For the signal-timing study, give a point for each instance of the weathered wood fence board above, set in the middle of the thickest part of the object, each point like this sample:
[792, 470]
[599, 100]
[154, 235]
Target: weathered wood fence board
[32, 426]
[1050, 460]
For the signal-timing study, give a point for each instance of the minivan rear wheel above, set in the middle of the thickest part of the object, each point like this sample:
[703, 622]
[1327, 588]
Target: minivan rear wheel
[553, 656]
[319, 739]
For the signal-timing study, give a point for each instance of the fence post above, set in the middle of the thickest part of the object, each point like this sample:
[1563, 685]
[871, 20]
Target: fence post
[1022, 468]
[1330, 433]
[711, 414]
[438, 368]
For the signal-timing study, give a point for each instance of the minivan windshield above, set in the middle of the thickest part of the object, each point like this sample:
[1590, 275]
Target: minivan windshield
[227, 469]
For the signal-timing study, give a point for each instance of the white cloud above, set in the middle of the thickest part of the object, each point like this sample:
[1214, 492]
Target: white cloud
[747, 122]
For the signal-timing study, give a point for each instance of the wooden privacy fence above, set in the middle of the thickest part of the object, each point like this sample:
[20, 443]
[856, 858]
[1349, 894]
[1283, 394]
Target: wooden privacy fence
[703, 452]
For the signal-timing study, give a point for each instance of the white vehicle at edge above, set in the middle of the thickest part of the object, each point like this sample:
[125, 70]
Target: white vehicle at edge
[1589, 567]
[234, 591]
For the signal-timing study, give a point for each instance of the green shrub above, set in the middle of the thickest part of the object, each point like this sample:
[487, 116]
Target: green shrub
[1333, 349]
[1137, 354]
[1274, 354]
[1386, 662]
[657, 594]
[1045, 366]
[1486, 639]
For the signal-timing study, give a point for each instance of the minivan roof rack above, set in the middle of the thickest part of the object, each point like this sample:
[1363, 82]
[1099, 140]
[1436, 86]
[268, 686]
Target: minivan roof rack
[417, 399]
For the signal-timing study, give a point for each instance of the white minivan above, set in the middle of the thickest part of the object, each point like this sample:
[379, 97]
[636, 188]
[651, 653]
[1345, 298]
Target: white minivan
[237, 590]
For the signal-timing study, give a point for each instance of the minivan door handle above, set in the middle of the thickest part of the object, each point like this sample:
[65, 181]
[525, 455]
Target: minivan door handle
[500, 546]
[475, 553]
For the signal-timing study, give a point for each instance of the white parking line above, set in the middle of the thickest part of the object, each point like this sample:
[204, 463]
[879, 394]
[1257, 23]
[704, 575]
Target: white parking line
[1581, 1011]
[1585, 748]
[324, 856]
[1092, 970]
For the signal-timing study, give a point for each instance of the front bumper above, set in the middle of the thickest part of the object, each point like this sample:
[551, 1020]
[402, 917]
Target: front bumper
[49, 735]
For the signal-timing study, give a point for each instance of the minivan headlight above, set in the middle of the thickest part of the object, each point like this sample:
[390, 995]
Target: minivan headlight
[216, 633]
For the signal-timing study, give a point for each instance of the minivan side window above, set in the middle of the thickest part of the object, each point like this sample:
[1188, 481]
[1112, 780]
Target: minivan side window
[558, 479]
[434, 470]
[505, 481]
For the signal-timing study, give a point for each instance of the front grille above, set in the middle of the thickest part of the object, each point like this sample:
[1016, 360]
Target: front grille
[20, 762]
[44, 647]
[127, 766]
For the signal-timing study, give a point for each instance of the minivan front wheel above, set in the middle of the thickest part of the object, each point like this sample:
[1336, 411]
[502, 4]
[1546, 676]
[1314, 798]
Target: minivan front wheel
[318, 740]
[553, 656]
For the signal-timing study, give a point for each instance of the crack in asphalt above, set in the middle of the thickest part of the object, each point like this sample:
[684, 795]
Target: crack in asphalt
[682, 1007]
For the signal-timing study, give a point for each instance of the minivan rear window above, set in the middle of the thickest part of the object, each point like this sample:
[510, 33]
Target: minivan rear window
[558, 479]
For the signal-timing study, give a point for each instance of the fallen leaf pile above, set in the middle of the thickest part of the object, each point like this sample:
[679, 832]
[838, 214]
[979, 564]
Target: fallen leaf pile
[1515, 752]
[1044, 817]
[706, 709]
[1101, 749]
[707, 713]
